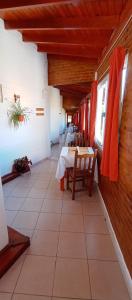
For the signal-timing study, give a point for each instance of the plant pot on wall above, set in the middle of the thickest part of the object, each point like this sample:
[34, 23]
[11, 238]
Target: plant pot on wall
[17, 114]
[21, 118]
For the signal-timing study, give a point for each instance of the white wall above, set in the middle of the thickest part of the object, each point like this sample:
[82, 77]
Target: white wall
[62, 117]
[3, 226]
[23, 71]
[55, 113]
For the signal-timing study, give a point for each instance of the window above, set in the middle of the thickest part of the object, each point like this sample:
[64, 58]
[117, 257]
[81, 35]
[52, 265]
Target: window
[124, 73]
[102, 103]
[69, 118]
[101, 110]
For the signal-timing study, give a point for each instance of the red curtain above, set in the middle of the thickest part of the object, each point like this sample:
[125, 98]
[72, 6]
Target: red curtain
[109, 163]
[84, 117]
[75, 119]
[93, 105]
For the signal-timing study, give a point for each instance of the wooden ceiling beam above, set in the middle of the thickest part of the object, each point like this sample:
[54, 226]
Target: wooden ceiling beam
[91, 62]
[15, 4]
[74, 50]
[68, 93]
[91, 40]
[80, 89]
[72, 93]
[98, 22]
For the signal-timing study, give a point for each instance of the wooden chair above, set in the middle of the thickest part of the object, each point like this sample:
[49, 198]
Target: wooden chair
[78, 141]
[83, 171]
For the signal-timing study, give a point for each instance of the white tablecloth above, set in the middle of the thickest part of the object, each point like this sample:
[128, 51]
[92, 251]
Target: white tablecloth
[66, 160]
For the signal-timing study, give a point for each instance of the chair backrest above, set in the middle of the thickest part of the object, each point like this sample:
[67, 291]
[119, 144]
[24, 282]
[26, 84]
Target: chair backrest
[78, 140]
[85, 162]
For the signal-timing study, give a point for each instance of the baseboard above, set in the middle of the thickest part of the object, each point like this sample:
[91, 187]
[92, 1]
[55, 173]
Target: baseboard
[18, 243]
[123, 266]
[8, 177]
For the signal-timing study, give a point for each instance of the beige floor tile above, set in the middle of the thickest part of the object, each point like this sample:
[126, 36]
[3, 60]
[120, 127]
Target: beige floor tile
[32, 204]
[42, 184]
[48, 221]
[60, 298]
[72, 245]
[84, 195]
[95, 224]
[67, 195]
[20, 191]
[8, 281]
[71, 279]
[10, 216]
[25, 219]
[46, 176]
[72, 223]
[44, 243]
[92, 208]
[37, 193]
[27, 232]
[99, 246]
[54, 184]
[36, 277]
[54, 193]
[4, 296]
[7, 189]
[106, 281]
[29, 297]
[14, 203]
[52, 206]
[72, 207]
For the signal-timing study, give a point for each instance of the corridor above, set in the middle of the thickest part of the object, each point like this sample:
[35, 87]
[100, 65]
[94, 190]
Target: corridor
[71, 253]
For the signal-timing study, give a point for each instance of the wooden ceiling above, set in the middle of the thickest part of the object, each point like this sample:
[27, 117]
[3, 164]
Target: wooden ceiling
[69, 28]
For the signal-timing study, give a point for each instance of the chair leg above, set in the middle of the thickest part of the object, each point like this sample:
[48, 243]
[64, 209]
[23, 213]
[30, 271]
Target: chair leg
[67, 180]
[73, 189]
[90, 187]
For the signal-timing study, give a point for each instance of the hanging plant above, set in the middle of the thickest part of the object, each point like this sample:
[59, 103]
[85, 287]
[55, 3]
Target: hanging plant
[17, 114]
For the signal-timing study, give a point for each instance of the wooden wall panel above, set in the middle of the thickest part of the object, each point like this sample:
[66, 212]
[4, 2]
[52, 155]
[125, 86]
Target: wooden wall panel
[118, 196]
[63, 71]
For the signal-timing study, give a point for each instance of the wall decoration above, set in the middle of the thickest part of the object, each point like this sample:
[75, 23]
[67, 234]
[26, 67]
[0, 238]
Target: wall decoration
[16, 98]
[18, 114]
[1, 94]
[39, 111]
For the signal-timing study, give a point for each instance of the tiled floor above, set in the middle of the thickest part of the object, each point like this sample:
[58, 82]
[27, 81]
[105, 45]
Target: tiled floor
[71, 253]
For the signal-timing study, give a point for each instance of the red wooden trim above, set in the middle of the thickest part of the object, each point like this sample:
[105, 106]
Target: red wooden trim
[13, 4]
[47, 37]
[98, 22]
[18, 243]
[8, 177]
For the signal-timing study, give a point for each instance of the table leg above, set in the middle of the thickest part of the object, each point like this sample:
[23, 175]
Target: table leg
[62, 184]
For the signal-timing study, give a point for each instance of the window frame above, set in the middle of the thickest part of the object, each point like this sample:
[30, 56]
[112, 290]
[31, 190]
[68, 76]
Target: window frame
[122, 93]
[104, 81]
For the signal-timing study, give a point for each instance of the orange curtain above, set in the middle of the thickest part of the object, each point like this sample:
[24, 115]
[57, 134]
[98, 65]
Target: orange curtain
[93, 105]
[109, 163]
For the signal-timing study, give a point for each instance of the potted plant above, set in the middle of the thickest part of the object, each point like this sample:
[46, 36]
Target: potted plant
[21, 165]
[17, 114]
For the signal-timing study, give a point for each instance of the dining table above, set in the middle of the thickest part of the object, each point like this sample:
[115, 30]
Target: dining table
[66, 160]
